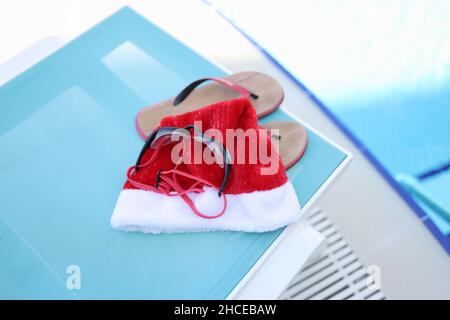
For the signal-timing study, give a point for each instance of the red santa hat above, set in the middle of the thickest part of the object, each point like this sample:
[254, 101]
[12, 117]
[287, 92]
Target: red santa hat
[245, 188]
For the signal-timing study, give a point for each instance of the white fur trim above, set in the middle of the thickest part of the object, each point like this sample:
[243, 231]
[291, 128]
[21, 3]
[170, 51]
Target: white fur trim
[259, 211]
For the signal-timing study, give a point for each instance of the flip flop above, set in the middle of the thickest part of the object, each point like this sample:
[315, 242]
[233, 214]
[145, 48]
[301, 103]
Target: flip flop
[264, 92]
[292, 139]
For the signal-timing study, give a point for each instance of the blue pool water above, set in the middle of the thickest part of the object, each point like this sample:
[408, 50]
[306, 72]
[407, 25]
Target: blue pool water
[381, 67]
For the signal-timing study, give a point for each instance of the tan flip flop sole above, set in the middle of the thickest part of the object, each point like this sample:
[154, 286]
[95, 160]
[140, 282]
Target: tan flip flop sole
[292, 140]
[269, 92]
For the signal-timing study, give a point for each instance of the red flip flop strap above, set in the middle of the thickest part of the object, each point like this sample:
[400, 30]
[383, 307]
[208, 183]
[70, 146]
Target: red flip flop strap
[243, 92]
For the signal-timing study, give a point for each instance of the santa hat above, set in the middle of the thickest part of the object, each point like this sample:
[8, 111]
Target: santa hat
[249, 194]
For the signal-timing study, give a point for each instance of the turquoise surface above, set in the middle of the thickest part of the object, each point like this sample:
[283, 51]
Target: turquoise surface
[67, 137]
